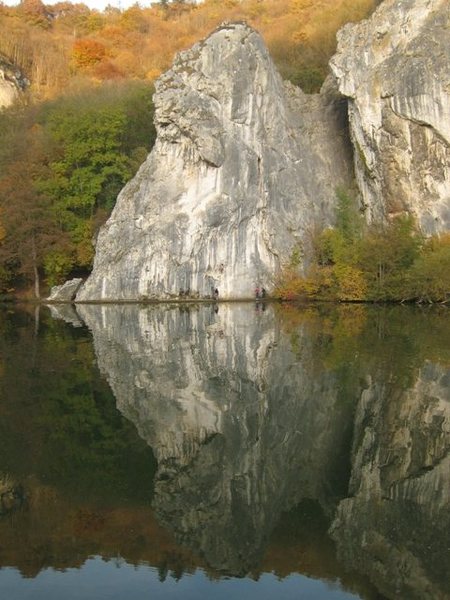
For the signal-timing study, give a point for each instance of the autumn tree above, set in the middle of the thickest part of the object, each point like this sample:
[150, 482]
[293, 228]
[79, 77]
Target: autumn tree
[99, 139]
[87, 52]
[29, 229]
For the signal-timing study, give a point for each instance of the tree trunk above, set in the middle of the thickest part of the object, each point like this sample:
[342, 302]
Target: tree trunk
[35, 268]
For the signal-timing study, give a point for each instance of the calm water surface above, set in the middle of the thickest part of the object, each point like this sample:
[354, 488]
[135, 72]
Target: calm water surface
[225, 451]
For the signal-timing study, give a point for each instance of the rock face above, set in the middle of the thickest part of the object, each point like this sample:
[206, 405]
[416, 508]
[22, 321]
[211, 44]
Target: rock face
[12, 83]
[395, 70]
[243, 170]
[241, 427]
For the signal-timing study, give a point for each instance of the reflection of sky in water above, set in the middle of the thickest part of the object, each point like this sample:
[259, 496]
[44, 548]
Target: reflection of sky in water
[99, 580]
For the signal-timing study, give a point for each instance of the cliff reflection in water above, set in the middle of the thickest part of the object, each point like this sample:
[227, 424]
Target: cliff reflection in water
[249, 413]
[241, 425]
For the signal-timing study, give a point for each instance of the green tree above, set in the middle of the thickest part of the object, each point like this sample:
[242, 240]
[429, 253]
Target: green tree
[429, 277]
[61, 167]
[29, 231]
[99, 139]
[387, 254]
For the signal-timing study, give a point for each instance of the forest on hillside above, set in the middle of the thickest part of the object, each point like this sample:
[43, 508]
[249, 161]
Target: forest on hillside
[61, 46]
[85, 124]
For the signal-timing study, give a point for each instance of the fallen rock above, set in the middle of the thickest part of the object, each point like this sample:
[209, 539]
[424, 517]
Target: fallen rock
[65, 292]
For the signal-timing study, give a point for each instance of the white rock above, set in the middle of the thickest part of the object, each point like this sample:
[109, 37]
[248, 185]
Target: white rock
[12, 83]
[65, 292]
[243, 171]
[395, 70]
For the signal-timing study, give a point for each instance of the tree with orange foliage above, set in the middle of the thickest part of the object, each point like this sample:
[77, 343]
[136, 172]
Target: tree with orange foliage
[87, 53]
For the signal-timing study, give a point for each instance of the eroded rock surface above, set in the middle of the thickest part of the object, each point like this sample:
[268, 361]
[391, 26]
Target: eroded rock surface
[243, 170]
[395, 70]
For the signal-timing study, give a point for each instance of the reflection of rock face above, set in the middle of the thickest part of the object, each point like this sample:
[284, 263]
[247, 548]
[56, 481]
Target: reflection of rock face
[396, 525]
[241, 428]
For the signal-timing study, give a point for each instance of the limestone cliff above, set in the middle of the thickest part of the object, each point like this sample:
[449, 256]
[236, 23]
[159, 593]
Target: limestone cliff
[243, 170]
[395, 70]
[12, 83]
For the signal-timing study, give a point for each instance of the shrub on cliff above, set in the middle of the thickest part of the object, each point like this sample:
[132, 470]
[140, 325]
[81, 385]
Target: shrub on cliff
[388, 262]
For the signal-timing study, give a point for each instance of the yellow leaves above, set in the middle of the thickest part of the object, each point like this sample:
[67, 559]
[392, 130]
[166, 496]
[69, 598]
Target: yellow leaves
[153, 74]
[292, 286]
[298, 7]
[300, 37]
[351, 283]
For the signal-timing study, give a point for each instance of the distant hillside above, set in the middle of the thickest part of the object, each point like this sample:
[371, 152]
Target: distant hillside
[57, 46]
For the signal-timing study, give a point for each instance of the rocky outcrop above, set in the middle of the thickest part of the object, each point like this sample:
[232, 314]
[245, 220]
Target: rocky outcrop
[395, 70]
[12, 83]
[243, 170]
[242, 428]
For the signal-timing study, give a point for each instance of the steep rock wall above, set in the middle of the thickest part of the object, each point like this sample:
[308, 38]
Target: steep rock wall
[395, 70]
[243, 170]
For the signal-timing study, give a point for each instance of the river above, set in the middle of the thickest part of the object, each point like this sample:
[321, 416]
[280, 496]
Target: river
[225, 450]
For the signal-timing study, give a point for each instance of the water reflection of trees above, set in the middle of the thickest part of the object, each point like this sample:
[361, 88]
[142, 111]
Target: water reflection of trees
[58, 417]
[366, 387]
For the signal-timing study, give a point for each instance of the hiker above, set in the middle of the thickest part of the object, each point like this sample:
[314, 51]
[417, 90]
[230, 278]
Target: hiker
[263, 293]
[216, 293]
[257, 292]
